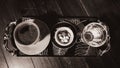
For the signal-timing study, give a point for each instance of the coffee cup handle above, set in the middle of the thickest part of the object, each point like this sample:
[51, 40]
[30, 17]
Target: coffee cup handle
[7, 36]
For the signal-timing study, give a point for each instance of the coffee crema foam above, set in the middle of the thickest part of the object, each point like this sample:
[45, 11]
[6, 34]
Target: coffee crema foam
[64, 36]
[26, 34]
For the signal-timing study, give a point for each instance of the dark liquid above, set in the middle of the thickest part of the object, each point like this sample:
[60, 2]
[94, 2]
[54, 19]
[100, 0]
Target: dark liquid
[89, 36]
[26, 34]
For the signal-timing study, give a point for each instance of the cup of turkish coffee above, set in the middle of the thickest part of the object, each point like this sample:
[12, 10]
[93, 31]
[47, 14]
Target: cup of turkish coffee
[31, 36]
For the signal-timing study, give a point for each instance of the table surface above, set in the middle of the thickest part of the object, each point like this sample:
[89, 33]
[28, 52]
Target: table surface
[106, 10]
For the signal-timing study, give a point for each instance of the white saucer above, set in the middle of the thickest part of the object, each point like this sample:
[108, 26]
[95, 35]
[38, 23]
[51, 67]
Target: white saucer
[39, 45]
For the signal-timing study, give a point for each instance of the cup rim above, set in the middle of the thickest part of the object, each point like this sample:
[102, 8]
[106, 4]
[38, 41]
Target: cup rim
[70, 26]
[39, 46]
[30, 23]
[94, 23]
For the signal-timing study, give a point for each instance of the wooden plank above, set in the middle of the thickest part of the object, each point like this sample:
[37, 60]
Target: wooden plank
[71, 8]
[3, 63]
[47, 62]
[18, 62]
[60, 62]
[73, 62]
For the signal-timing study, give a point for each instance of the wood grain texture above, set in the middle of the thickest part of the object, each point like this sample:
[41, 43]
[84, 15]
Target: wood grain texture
[3, 63]
[71, 8]
[47, 62]
[18, 62]
[107, 10]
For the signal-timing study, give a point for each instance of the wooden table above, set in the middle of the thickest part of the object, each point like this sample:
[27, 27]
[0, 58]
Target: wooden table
[107, 10]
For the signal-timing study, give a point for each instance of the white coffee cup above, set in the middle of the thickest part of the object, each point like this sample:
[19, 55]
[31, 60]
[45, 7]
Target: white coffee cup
[31, 36]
